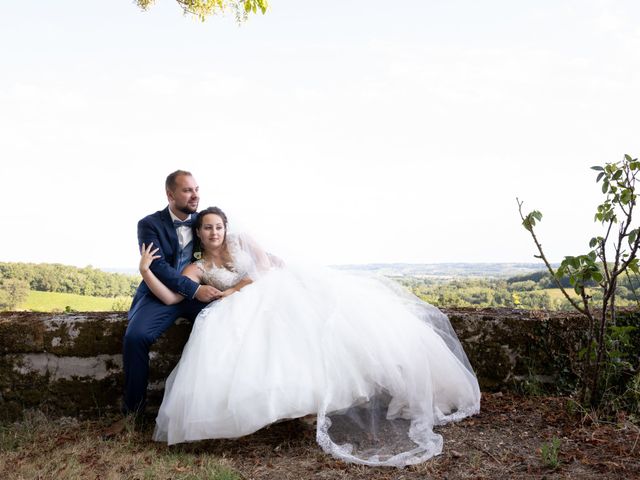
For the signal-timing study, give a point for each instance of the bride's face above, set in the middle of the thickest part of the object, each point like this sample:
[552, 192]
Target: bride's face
[212, 232]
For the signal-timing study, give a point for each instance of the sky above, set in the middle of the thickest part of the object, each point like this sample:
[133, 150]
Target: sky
[341, 132]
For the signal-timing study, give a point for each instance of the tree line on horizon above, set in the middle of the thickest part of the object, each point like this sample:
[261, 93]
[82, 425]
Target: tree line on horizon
[536, 290]
[18, 278]
[530, 291]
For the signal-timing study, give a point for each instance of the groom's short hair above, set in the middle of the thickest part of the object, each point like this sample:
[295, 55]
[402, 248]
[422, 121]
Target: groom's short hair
[170, 183]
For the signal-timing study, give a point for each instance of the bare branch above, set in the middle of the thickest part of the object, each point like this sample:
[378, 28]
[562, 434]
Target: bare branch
[632, 255]
[604, 253]
[542, 256]
[633, 289]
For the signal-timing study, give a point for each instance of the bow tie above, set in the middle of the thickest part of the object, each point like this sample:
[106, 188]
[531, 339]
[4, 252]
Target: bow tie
[187, 223]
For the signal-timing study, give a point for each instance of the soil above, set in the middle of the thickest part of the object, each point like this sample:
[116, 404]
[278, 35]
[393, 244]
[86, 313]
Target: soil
[508, 439]
[504, 441]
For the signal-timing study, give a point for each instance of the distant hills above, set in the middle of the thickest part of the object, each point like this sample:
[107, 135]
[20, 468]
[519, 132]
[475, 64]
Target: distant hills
[440, 270]
[447, 270]
[437, 270]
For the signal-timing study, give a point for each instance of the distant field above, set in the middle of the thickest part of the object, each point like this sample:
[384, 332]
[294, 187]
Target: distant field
[53, 301]
[557, 293]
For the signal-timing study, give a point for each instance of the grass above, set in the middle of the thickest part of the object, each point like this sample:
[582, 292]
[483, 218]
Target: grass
[512, 437]
[58, 302]
[549, 452]
[65, 448]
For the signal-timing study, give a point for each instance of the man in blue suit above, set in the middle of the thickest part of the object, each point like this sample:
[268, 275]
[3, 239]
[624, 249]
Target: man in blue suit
[170, 231]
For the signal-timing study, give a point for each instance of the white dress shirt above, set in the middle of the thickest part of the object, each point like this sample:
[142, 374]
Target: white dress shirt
[185, 234]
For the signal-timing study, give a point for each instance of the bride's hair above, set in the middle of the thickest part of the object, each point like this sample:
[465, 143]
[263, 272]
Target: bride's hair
[227, 261]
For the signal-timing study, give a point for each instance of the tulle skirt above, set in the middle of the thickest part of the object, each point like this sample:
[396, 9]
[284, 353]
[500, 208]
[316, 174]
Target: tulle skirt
[376, 365]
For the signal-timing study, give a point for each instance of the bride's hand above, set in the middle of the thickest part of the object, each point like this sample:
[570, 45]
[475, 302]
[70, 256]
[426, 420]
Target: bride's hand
[227, 292]
[207, 293]
[147, 256]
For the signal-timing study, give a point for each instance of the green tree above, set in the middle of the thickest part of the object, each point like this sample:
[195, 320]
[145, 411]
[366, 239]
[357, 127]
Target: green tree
[204, 8]
[121, 304]
[526, 286]
[611, 255]
[67, 279]
[13, 292]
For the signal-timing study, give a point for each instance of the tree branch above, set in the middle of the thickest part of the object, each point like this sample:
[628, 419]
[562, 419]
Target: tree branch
[543, 257]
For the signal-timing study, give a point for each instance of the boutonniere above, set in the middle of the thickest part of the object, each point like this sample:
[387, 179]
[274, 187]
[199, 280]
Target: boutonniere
[197, 255]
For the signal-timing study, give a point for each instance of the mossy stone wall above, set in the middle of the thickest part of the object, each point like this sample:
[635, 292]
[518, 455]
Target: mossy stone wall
[71, 364]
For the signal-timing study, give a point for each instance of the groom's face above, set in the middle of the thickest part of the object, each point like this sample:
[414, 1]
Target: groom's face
[185, 196]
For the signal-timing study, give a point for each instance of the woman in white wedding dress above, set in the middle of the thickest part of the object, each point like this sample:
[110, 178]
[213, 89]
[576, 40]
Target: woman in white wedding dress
[378, 366]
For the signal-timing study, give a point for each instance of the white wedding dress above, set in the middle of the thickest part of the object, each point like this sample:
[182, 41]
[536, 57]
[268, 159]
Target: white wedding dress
[377, 365]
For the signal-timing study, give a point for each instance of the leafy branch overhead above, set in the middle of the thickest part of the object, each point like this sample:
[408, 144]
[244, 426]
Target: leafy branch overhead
[204, 8]
[611, 254]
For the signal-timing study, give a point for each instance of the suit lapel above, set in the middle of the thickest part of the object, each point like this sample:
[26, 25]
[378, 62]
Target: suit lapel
[171, 231]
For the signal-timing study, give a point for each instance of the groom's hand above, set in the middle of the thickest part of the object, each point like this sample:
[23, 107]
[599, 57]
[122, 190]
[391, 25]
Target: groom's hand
[207, 293]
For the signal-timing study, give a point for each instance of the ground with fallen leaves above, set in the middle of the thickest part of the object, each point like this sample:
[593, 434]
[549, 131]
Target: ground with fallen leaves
[512, 437]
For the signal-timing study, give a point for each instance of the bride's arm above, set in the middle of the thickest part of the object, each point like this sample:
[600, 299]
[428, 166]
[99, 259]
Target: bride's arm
[237, 287]
[159, 289]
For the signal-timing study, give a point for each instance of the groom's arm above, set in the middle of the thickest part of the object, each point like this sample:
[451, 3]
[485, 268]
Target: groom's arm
[169, 276]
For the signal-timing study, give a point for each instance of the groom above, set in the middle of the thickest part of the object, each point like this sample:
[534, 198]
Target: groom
[170, 231]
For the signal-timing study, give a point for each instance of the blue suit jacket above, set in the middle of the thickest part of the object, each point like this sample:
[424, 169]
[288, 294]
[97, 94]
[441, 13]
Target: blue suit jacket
[158, 228]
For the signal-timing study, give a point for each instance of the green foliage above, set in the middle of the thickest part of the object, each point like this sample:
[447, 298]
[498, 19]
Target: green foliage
[525, 286]
[204, 8]
[621, 372]
[12, 293]
[550, 453]
[484, 292]
[580, 271]
[541, 278]
[597, 279]
[47, 277]
[631, 396]
[531, 385]
[121, 304]
[530, 220]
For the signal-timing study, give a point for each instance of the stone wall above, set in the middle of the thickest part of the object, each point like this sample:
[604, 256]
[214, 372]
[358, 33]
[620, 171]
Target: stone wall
[71, 364]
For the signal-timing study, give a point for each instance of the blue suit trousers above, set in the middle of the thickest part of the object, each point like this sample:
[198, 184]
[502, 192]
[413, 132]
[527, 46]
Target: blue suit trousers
[148, 319]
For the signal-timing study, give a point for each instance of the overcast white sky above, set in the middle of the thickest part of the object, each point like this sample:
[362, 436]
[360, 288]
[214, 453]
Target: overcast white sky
[343, 131]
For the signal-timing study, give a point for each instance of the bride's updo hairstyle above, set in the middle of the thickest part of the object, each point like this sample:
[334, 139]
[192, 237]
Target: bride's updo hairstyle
[227, 261]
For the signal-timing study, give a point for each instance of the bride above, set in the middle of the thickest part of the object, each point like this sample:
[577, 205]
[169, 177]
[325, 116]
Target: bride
[378, 366]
